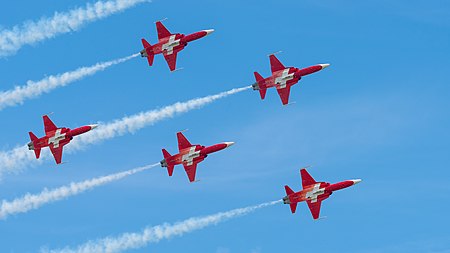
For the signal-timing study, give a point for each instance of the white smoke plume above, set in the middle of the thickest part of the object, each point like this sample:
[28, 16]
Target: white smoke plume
[35, 88]
[155, 234]
[33, 201]
[30, 32]
[13, 161]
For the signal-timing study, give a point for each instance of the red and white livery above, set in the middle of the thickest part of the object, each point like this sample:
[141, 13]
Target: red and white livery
[169, 44]
[189, 155]
[55, 138]
[313, 192]
[282, 78]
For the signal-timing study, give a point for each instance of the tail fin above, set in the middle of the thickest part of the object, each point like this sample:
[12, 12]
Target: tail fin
[148, 50]
[258, 77]
[293, 207]
[37, 151]
[262, 87]
[289, 191]
[166, 154]
[169, 166]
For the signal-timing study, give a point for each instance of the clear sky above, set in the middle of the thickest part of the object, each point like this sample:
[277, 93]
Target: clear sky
[380, 112]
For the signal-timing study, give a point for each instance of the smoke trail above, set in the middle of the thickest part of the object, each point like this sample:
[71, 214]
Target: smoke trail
[31, 32]
[33, 89]
[133, 123]
[14, 160]
[157, 233]
[34, 201]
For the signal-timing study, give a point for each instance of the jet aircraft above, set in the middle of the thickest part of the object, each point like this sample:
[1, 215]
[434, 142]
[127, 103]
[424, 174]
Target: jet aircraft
[313, 192]
[282, 78]
[169, 44]
[189, 155]
[55, 138]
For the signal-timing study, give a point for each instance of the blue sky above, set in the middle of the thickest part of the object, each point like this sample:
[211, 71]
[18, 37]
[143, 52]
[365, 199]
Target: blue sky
[379, 112]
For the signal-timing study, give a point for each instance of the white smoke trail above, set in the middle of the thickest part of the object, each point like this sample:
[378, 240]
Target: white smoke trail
[133, 123]
[33, 201]
[33, 89]
[157, 233]
[15, 160]
[30, 32]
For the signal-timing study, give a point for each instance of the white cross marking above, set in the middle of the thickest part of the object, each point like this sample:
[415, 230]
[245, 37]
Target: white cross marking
[189, 157]
[55, 139]
[282, 80]
[170, 44]
[314, 193]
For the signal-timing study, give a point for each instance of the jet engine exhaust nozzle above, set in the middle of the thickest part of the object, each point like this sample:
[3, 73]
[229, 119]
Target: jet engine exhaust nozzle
[30, 145]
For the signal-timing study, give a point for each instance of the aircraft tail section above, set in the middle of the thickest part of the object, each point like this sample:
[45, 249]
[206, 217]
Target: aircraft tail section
[259, 85]
[166, 163]
[293, 207]
[289, 191]
[147, 52]
[37, 150]
[166, 154]
[262, 93]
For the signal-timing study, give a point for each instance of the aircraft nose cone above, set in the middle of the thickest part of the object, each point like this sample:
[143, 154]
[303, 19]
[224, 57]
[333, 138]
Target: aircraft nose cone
[229, 144]
[208, 32]
[324, 65]
[355, 181]
[93, 126]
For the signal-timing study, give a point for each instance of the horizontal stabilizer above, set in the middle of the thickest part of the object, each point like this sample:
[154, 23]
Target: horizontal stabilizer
[289, 191]
[258, 77]
[149, 53]
[293, 207]
[145, 43]
[170, 170]
[260, 85]
[32, 136]
[37, 152]
[262, 93]
[165, 154]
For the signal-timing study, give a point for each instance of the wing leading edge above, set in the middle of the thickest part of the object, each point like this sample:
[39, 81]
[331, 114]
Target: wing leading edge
[191, 170]
[183, 143]
[284, 94]
[275, 64]
[57, 152]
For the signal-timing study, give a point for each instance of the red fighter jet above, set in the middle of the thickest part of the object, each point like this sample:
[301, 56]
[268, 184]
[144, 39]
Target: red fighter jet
[282, 78]
[190, 155]
[169, 44]
[55, 138]
[313, 192]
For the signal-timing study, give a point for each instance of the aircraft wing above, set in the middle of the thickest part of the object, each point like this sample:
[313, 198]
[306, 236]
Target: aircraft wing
[284, 94]
[182, 141]
[307, 179]
[57, 152]
[162, 30]
[275, 64]
[49, 126]
[314, 207]
[190, 170]
[171, 59]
